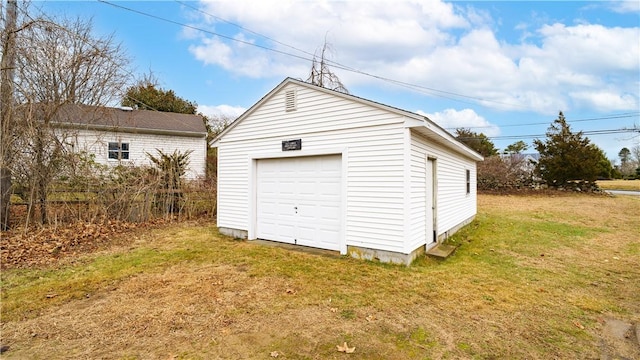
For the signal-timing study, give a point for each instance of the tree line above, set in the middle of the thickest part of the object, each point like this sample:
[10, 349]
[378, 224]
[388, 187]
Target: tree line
[48, 63]
[564, 160]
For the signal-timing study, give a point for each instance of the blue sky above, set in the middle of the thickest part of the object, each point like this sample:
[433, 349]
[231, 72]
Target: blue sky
[504, 68]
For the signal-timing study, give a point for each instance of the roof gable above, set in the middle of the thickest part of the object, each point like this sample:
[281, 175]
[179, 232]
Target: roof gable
[423, 124]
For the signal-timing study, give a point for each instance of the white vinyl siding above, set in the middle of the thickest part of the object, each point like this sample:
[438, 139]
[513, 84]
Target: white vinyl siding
[375, 190]
[419, 229]
[371, 138]
[387, 178]
[97, 143]
[454, 205]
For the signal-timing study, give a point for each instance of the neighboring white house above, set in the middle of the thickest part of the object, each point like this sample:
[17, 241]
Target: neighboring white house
[525, 162]
[315, 167]
[124, 136]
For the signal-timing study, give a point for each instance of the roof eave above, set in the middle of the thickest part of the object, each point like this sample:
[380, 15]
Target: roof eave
[133, 130]
[434, 132]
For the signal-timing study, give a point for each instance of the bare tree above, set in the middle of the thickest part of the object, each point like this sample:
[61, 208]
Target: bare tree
[6, 106]
[57, 63]
[321, 75]
[635, 153]
[8, 21]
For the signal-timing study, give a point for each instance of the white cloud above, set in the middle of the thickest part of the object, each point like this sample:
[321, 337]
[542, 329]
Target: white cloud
[466, 118]
[221, 111]
[437, 45]
[361, 32]
[240, 58]
[624, 6]
[213, 51]
[605, 100]
[591, 47]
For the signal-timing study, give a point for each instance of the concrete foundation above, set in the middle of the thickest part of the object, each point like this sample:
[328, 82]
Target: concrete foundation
[384, 256]
[447, 234]
[372, 254]
[238, 234]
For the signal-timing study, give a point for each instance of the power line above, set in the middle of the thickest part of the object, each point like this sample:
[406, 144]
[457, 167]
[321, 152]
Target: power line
[614, 116]
[241, 27]
[90, 42]
[586, 133]
[423, 89]
[331, 62]
[400, 83]
[202, 30]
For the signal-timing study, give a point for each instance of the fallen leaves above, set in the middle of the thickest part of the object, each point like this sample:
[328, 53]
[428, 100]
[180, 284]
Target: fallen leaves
[345, 348]
[35, 246]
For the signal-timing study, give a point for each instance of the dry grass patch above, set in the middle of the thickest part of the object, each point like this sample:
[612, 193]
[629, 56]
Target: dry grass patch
[534, 277]
[631, 185]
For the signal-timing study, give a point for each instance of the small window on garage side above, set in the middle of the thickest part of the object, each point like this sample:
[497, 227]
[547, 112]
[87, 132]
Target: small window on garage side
[118, 151]
[468, 181]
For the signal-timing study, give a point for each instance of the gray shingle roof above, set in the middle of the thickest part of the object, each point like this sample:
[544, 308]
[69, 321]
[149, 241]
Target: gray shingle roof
[141, 121]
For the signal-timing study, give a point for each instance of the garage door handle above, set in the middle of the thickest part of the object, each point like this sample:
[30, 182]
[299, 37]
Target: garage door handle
[296, 209]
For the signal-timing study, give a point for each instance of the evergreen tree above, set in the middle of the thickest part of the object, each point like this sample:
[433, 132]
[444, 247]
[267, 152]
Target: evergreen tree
[627, 165]
[478, 142]
[516, 148]
[147, 95]
[566, 156]
[624, 155]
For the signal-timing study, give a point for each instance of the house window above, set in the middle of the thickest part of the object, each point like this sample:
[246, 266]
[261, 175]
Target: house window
[118, 151]
[468, 182]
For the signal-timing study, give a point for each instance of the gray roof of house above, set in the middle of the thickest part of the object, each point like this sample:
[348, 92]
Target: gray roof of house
[127, 120]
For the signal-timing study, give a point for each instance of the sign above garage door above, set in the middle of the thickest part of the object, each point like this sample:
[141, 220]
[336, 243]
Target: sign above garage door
[299, 200]
[288, 145]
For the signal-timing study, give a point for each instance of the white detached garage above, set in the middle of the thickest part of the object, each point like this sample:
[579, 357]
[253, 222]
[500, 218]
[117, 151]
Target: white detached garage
[315, 167]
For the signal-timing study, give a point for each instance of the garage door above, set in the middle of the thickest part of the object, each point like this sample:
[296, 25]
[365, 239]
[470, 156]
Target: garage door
[299, 199]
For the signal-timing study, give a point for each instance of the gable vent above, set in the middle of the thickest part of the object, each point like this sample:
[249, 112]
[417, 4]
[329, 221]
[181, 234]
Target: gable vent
[290, 100]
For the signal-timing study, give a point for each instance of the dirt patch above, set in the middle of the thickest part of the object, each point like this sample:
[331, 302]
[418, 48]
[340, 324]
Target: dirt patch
[620, 339]
[215, 309]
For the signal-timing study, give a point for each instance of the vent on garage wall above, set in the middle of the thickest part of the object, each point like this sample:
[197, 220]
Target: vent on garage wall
[290, 100]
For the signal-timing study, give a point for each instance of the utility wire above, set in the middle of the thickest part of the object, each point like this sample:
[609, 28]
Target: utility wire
[90, 42]
[586, 133]
[202, 30]
[432, 91]
[423, 89]
[241, 27]
[615, 116]
[415, 87]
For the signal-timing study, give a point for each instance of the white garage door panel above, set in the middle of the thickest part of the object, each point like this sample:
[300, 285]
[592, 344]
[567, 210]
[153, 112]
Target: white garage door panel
[299, 200]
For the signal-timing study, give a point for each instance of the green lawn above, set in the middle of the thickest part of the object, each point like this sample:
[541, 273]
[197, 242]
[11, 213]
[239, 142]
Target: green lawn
[534, 277]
